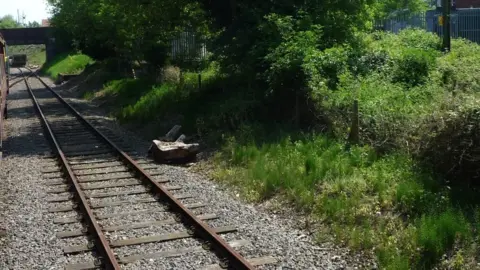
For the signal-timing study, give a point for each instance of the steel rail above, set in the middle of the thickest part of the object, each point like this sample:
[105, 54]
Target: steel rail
[230, 257]
[109, 260]
[21, 80]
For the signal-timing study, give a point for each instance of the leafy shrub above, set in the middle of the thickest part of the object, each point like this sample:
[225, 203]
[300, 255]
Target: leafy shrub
[394, 44]
[419, 39]
[325, 67]
[457, 71]
[372, 61]
[413, 66]
[285, 59]
[406, 57]
[170, 74]
[389, 115]
[454, 150]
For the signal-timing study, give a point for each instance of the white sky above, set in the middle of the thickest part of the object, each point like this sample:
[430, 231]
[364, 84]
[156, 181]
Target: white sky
[35, 10]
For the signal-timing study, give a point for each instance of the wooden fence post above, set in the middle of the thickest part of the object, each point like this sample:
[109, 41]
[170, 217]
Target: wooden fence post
[354, 137]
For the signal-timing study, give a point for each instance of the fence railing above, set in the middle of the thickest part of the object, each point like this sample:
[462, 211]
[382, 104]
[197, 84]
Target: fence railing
[465, 23]
[188, 46]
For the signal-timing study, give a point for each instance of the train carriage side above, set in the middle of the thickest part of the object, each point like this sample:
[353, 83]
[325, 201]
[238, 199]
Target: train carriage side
[3, 87]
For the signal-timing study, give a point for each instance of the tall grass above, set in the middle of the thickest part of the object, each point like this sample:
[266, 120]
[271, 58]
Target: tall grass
[142, 100]
[38, 58]
[357, 194]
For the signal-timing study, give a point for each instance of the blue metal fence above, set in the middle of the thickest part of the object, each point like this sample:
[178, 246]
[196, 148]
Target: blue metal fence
[465, 23]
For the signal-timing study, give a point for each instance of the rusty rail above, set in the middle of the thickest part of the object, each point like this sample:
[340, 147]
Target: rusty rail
[109, 260]
[230, 258]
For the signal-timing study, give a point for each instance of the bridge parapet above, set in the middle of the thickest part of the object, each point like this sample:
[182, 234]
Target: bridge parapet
[35, 35]
[26, 36]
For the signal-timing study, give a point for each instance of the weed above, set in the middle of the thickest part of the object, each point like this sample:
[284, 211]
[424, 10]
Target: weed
[437, 233]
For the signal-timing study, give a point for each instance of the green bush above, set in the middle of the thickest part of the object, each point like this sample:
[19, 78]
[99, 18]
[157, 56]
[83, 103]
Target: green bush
[325, 67]
[454, 149]
[407, 57]
[372, 61]
[413, 67]
[394, 44]
[457, 71]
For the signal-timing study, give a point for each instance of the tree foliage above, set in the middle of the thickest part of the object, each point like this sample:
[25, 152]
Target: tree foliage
[144, 28]
[8, 21]
[33, 24]
[263, 44]
[125, 28]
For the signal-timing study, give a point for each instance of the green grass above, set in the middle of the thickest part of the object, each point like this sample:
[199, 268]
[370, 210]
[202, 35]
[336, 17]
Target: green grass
[356, 194]
[66, 63]
[38, 58]
[138, 101]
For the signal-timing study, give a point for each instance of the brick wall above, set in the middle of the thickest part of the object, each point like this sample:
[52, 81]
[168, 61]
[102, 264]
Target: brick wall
[468, 3]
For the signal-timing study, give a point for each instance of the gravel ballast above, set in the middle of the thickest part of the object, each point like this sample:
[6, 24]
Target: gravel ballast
[31, 243]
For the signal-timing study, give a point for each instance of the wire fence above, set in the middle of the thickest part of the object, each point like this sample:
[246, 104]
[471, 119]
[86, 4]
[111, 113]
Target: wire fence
[464, 23]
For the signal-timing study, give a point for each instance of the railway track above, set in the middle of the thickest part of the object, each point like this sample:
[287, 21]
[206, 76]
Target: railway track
[109, 201]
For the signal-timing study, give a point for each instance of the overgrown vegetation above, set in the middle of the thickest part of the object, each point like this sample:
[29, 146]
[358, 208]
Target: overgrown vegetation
[36, 54]
[411, 192]
[278, 95]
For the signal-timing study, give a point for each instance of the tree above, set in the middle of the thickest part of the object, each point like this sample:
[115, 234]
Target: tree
[143, 29]
[8, 21]
[126, 28]
[33, 24]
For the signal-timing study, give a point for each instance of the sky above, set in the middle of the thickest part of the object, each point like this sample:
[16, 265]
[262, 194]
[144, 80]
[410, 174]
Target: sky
[35, 10]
